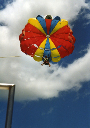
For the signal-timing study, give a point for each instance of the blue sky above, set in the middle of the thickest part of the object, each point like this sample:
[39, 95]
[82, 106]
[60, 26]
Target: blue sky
[45, 97]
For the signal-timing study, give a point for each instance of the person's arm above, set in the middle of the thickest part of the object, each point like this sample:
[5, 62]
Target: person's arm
[42, 57]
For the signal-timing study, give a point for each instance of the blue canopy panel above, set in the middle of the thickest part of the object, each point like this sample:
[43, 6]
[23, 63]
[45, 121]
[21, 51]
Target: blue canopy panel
[57, 18]
[54, 23]
[42, 22]
[47, 51]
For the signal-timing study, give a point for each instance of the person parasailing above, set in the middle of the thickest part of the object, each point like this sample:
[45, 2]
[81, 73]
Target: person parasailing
[46, 61]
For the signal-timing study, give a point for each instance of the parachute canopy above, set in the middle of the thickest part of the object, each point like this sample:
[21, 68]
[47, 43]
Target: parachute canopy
[47, 36]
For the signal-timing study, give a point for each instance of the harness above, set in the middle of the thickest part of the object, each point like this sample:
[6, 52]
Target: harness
[46, 59]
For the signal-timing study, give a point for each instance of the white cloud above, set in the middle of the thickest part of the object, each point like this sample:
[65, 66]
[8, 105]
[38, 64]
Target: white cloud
[32, 80]
[87, 16]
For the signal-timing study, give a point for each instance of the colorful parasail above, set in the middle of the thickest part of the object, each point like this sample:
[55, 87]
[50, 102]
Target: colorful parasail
[51, 37]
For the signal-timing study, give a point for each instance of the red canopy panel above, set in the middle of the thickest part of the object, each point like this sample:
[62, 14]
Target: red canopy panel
[32, 39]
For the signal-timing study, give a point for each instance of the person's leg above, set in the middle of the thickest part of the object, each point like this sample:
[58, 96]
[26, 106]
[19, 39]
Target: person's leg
[49, 65]
[43, 63]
